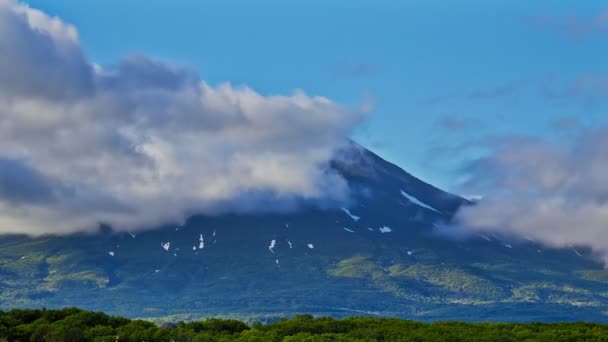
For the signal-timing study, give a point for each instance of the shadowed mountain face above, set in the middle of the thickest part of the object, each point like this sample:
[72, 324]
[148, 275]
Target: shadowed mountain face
[379, 256]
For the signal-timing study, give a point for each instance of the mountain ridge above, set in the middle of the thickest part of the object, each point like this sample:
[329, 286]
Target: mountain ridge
[380, 256]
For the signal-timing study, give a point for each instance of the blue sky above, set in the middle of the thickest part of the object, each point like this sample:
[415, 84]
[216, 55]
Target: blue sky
[439, 74]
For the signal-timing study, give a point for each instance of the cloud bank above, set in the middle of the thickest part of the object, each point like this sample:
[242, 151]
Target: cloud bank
[552, 192]
[142, 143]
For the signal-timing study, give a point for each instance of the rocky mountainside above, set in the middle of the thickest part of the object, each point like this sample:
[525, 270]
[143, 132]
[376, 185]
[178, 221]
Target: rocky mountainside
[381, 255]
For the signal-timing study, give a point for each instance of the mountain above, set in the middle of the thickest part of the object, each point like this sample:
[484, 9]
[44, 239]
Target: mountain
[380, 256]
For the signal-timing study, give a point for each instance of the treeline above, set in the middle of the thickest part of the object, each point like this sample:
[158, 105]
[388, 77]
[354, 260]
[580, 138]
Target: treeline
[72, 325]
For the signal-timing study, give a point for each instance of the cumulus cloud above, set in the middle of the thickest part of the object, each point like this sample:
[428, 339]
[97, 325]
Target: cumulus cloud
[142, 142]
[552, 192]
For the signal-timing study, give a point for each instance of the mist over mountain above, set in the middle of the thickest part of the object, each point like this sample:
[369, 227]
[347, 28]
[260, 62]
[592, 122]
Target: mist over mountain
[543, 190]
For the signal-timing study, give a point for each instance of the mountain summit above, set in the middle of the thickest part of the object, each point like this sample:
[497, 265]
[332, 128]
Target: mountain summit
[379, 255]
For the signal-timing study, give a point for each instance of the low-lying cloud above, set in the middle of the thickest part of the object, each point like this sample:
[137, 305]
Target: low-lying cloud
[552, 192]
[142, 142]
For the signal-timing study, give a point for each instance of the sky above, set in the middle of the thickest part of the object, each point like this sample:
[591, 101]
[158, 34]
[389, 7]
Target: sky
[434, 75]
[137, 114]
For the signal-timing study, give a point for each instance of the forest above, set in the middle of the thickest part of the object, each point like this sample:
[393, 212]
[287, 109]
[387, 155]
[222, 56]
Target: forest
[75, 325]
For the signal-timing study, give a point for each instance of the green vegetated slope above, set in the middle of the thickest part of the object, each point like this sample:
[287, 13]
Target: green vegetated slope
[77, 325]
[344, 274]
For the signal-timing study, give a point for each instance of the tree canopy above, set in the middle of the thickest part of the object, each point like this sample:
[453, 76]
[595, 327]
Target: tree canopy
[75, 325]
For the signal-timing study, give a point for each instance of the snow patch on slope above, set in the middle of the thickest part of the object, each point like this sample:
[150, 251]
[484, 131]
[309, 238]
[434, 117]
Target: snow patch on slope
[485, 237]
[385, 229]
[354, 217]
[201, 242]
[418, 202]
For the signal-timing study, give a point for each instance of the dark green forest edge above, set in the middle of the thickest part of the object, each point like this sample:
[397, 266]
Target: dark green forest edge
[72, 325]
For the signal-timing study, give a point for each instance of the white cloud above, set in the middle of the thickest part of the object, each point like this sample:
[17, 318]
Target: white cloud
[552, 192]
[143, 142]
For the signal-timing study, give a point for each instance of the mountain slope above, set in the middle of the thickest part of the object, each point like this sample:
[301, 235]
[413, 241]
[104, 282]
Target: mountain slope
[379, 256]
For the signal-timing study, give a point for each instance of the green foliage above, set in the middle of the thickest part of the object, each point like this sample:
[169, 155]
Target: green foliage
[404, 280]
[74, 325]
[600, 276]
[356, 267]
[453, 279]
